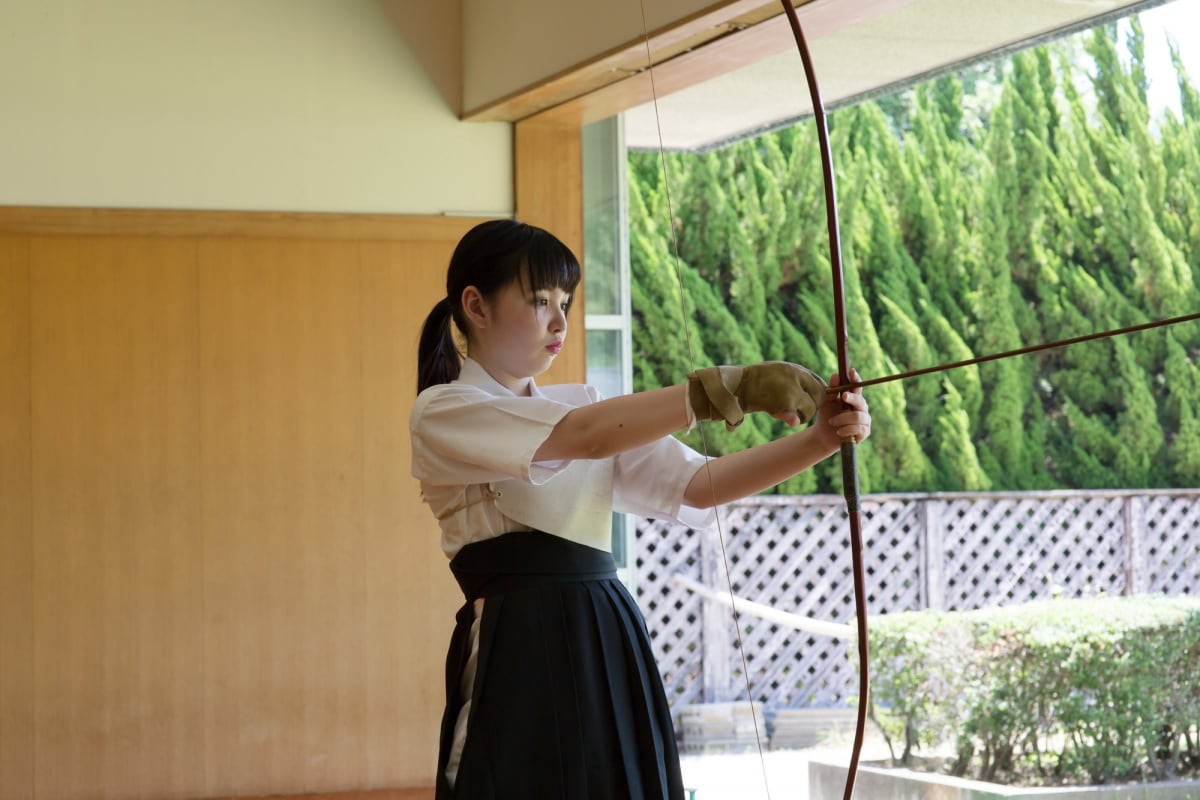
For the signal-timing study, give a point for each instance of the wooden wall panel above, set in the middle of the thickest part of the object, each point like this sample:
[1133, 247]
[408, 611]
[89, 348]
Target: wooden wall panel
[281, 509]
[406, 677]
[218, 578]
[16, 543]
[118, 606]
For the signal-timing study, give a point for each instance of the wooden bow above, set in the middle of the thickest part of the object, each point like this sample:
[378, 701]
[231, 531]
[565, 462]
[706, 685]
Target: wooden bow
[849, 449]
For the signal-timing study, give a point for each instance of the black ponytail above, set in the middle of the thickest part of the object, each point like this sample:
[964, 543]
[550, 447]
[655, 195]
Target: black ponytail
[489, 257]
[438, 358]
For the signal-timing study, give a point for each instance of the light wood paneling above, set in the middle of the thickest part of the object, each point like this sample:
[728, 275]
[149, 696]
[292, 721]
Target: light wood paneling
[16, 544]
[406, 675]
[548, 181]
[218, 578]
[117, 596]
[281, 508]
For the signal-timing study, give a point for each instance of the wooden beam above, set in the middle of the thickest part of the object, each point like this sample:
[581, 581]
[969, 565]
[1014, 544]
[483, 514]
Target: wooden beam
[64, 221]
[627, 59]
[696, 49]
[548, 192]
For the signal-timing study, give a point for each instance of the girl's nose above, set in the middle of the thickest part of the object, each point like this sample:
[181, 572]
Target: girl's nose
[558, 322]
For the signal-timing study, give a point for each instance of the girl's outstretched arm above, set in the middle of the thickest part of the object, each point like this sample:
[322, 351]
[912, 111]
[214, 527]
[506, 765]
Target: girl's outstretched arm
[737, 475]
[615, 425]
[623, 423]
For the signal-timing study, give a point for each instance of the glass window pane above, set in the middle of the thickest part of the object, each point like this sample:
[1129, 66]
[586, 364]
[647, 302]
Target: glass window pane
[606, 271]
[604, 369]
[601, 218]
[621, 540]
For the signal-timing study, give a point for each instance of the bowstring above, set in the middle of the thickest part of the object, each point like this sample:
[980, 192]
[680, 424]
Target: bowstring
[687, 336]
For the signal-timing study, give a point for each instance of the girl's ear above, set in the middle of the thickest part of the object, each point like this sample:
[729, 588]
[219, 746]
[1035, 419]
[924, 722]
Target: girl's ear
[475, 307]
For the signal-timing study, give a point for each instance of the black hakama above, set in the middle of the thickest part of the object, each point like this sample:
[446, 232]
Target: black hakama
[567, 700]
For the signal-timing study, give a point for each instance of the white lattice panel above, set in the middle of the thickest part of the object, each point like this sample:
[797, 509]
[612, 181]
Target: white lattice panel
[672, 613]
[1012, 550]
[795, 558]
[793, 554]
[1171, 545]
[893, 535]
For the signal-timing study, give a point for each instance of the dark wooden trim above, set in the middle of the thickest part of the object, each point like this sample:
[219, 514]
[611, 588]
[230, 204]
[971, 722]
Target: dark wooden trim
[73, 221]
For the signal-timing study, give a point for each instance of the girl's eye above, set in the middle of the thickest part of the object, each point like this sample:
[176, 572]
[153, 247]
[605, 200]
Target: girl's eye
[544, 302]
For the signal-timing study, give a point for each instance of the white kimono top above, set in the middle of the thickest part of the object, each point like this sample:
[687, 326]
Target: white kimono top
[472, 450]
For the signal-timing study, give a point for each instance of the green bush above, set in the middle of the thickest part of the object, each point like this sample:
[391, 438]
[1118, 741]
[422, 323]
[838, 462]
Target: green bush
[1062, 691]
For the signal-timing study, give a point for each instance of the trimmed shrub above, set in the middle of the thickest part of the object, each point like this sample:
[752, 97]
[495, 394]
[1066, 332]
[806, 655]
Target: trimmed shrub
[1063, 691]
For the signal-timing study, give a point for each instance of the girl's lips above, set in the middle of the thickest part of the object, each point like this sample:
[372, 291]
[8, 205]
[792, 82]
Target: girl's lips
[554, 348]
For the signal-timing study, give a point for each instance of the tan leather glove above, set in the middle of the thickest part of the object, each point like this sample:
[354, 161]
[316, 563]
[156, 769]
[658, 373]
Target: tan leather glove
[729, 393]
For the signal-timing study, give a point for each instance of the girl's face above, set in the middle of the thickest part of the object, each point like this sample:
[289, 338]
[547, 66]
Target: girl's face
[522, 334]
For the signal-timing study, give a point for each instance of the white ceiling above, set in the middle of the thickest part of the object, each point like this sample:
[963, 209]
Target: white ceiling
[921, 38]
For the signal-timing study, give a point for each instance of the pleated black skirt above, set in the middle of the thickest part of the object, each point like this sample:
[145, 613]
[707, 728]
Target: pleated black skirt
[567, 700]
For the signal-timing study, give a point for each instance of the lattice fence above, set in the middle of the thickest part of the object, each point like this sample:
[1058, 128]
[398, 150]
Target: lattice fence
[945, 551]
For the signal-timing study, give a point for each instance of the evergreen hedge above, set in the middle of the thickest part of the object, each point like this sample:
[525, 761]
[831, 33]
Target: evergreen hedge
[1032, 199]
[1056, 692]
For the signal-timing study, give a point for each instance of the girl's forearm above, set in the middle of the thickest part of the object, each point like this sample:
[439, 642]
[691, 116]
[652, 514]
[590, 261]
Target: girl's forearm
[746, 472]
[615, 425]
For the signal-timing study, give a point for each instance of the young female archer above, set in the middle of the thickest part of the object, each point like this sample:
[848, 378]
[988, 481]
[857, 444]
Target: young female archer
[551, 686]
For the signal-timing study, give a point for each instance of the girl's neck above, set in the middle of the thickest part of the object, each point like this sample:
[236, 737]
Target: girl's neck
[522, 386]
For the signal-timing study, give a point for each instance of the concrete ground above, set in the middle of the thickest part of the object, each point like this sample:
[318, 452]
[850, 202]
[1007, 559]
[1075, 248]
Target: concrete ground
[740, 776]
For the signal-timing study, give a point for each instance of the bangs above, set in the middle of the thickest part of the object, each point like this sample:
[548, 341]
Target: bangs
[499, 252]
[550, 264]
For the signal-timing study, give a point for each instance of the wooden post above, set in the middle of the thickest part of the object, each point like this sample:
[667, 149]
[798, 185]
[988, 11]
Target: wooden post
[933, 552]
[716, 647]
[1135, 570]
[548, 192]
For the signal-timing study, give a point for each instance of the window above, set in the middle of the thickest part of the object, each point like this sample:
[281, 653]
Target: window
[606, 287]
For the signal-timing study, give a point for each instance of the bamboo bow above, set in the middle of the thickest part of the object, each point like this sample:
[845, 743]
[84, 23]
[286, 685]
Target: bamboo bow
[849, 449]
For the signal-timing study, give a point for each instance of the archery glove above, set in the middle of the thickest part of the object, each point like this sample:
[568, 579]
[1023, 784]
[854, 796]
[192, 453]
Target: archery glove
[729, 393]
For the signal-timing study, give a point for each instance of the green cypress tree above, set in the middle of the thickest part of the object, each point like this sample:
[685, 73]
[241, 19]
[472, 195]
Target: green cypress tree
[1135, 46]
[1139, 436]
[969, 226]
[1184, 451]
[660, 341]
[947, 98]
[1189, 97]
[966, 380]
[957, 462]
[1005, 455]
[1084, 448]
[1180, 210]
[906, 346]
[1109, 80]
[893, 457]
[1181, 377]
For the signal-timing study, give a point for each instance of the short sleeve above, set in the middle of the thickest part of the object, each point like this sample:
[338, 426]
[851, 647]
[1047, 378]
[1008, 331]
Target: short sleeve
[462, 435]
[650, 482]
